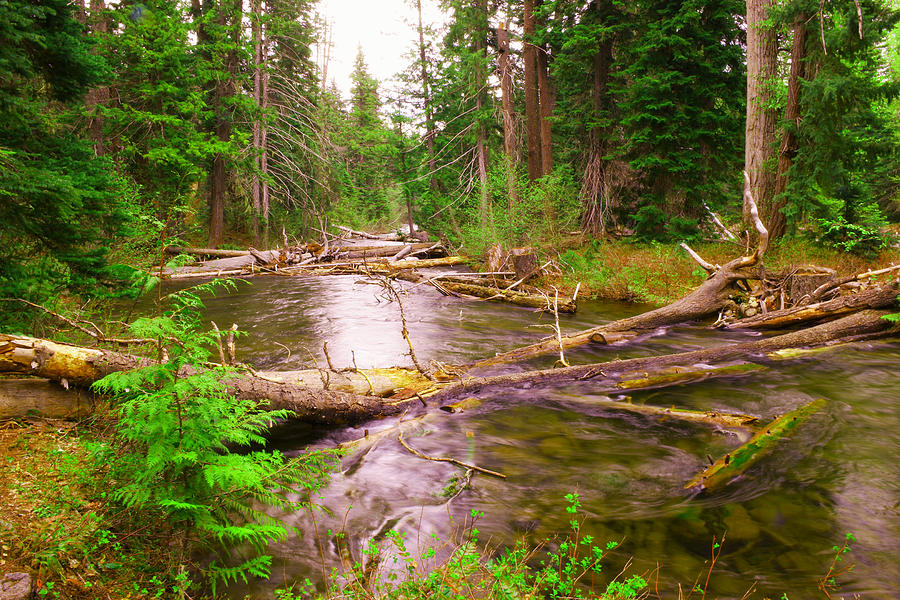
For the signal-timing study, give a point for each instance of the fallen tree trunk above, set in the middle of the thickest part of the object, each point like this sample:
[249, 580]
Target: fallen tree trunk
[706, 300]
[639, 373]
[75, 365]
[565, 305]
[206, 251]
[875, 297]
[72, 365]
[723, 471]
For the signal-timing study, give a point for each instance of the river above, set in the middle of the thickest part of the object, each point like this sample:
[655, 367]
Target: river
[836, 474]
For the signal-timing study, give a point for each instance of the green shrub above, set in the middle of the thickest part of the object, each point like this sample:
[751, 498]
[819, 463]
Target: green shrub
[179, 431]
[862, 240]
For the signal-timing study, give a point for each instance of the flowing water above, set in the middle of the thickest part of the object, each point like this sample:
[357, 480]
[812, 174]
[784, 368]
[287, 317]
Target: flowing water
[836, 474]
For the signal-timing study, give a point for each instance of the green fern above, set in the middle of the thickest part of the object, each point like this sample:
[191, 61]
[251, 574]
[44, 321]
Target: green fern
[177, 429]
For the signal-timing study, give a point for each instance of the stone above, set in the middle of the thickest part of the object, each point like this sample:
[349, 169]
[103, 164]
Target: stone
[15, 586]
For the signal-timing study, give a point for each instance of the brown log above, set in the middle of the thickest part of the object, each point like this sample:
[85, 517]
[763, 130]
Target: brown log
[75, 365]
[83, 366]
[881, 296]
[206, 251]
[705, 301]
[22, 397]
[494, 294]
[660, 371]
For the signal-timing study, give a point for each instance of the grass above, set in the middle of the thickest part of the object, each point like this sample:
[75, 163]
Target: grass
[57, 524]
[661, 273]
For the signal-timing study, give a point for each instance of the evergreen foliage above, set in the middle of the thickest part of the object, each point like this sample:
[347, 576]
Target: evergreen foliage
[59, 204]
[194, 455]
[846, 139]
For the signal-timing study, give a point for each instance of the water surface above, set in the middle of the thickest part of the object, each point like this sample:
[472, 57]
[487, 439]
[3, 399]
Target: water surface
[837, 474]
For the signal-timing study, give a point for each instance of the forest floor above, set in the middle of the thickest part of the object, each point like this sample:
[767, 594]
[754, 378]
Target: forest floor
[662, 273]
[59, 525]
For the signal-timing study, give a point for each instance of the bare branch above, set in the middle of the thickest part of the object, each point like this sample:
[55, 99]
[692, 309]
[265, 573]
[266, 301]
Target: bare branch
[708, 267]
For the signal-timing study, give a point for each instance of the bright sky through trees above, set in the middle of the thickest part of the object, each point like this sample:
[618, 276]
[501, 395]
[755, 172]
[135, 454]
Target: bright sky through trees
[383, 28]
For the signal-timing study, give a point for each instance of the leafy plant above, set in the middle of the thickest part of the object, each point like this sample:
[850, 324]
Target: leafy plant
[851, 237]
[179, 429]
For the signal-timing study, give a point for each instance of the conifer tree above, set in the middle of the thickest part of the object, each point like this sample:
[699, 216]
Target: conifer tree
[59, 203]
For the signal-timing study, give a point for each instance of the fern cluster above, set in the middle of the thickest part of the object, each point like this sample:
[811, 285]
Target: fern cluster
[194, 454]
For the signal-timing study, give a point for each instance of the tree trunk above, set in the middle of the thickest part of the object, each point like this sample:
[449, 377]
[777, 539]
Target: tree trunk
[532, 99]
[73, 365]
[619, 376]
[509, 131]
[255, 183]
[775, 219]
[480, 48]
[225, 87]
[760, 125]
[594, 187]
[706, 300]
[430, 131]
[547, 102]
[882, 296]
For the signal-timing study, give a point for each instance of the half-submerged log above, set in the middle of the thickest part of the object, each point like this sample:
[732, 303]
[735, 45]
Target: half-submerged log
[727, 468]
[668, 369]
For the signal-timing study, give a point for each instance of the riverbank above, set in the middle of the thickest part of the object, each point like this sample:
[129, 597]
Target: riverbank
[627, 271]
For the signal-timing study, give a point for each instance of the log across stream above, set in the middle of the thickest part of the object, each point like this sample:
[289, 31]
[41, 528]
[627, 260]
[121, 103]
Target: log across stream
[832, 475]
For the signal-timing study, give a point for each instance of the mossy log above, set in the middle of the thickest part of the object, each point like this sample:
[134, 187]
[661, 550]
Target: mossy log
[668, 369]
[493, 294]
[881, 296]
[735, 463]
[75, 365]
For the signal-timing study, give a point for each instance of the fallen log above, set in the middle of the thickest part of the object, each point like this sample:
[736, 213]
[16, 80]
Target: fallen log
[876, 297]
[206, 251]
[820, 291]
[640, 373]
[735, 463]
[20, 397]
[369, 236]
[75, 365]
[566, 305]
[705, 301]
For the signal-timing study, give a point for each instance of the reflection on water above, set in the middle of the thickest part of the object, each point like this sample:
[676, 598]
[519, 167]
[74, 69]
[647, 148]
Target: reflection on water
[836, 474]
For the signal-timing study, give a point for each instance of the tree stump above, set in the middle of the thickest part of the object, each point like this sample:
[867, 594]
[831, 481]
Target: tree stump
[495, 258]
[524, 262]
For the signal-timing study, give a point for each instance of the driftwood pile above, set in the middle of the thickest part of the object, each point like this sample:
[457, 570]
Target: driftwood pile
[392, 254]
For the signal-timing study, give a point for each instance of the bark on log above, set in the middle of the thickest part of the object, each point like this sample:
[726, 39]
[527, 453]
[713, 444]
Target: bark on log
[75, 365]
[703, 302]
[206, 251]
[83, 366]
[21, 397]
[643, 373]
[877, 297]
